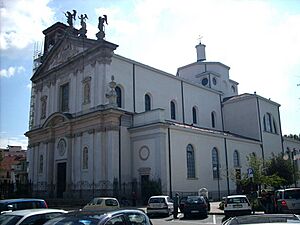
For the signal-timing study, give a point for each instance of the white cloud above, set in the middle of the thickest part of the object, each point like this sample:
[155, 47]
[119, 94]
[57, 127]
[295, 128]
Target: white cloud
[260, 42]
[11, 71]
[14, 141]
[22, 22]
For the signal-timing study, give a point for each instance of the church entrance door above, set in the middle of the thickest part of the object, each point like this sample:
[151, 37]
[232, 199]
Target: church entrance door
[145, 188]
[61, 179]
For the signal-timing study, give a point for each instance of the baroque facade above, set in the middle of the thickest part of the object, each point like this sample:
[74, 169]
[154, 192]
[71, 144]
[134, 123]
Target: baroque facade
[101, 122]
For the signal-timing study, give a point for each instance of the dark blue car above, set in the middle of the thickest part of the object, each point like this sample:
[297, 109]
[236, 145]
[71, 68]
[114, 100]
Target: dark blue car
[21, 203]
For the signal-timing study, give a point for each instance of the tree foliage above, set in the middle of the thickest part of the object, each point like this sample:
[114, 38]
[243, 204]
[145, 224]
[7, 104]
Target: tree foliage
[282, 168]
[275, 172]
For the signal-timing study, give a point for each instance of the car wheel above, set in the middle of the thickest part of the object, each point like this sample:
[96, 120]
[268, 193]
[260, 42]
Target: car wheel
[205, 215]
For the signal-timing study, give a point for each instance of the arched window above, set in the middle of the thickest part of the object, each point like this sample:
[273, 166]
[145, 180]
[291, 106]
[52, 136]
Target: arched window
[215, 163]
[268, 122]
[213, 119]
[44, 107]
[119, 96]
[85, 158]
[236, 159]
[147, 102]
[173, 110]
[194, 112]
[86, 92]
[190, 156]
[41, 168]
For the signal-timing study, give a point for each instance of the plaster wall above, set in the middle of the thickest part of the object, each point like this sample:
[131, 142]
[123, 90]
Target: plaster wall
[241, 117]
[272, 142]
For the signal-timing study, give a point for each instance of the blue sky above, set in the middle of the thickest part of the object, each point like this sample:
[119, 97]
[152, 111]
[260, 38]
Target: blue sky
[258, 40]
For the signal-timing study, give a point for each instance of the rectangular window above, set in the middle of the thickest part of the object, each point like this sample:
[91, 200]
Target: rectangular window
[64, 98]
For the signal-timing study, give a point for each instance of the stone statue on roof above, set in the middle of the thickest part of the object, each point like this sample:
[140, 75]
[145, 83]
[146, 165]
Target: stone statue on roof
[101, 34]
[83, 30]
[71, 17]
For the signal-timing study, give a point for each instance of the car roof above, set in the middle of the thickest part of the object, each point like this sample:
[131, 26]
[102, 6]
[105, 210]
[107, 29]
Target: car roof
[236, 196]
[105, 198]
[20, 200]
[28, 212]
[160, 196]
[263, 218]
[105, 211]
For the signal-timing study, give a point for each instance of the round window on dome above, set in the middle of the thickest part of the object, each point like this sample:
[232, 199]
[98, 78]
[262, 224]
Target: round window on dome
[204, 81]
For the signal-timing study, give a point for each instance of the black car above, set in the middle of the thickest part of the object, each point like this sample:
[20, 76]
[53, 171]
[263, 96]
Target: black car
[107, 217]
[194, 205]
[22, 203]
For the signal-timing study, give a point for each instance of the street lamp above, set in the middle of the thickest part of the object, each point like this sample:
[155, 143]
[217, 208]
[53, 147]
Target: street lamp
[216, 169]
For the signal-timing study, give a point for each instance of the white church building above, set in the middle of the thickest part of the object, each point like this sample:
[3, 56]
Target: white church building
[103, 124]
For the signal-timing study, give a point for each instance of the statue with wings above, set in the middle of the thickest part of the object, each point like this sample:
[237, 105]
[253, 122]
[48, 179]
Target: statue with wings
[83, 30]
[70, 17]
[101, 34]
[102, 20]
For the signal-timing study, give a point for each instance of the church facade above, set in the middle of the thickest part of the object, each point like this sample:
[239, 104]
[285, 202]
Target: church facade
[103, 124]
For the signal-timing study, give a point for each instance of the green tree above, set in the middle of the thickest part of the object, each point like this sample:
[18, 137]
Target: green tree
[260, 177]
[283, 169]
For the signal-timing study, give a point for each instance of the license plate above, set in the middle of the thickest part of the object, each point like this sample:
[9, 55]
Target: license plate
[237, 206]
[155, 205]
[194, 211]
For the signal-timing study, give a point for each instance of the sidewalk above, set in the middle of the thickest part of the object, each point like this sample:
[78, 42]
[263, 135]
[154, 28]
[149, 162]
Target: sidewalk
[214, 208]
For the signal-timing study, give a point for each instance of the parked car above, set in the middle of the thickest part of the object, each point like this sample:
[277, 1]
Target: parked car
[235, 205]
[160, 204]
[102, 203]
[107, 217]
[21, 203]
[195, 205]
[29, 216]
[262, 218]
[287, 200]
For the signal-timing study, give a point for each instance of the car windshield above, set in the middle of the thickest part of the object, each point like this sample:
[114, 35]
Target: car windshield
[96, 201]
[236, 200]
[156, 200]
[194, 199]
[6, 219]
[290, 194]
[111, 202]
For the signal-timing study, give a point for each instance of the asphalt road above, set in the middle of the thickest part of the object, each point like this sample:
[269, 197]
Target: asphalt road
[211, 219]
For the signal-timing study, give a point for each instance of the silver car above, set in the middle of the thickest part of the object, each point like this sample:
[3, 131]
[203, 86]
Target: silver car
[160, 204]
[29, 216]
[287, 200]
[263, 219]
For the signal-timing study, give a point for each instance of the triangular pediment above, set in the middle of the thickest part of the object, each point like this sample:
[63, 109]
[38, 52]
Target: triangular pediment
[66, 50]
[63, 52]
